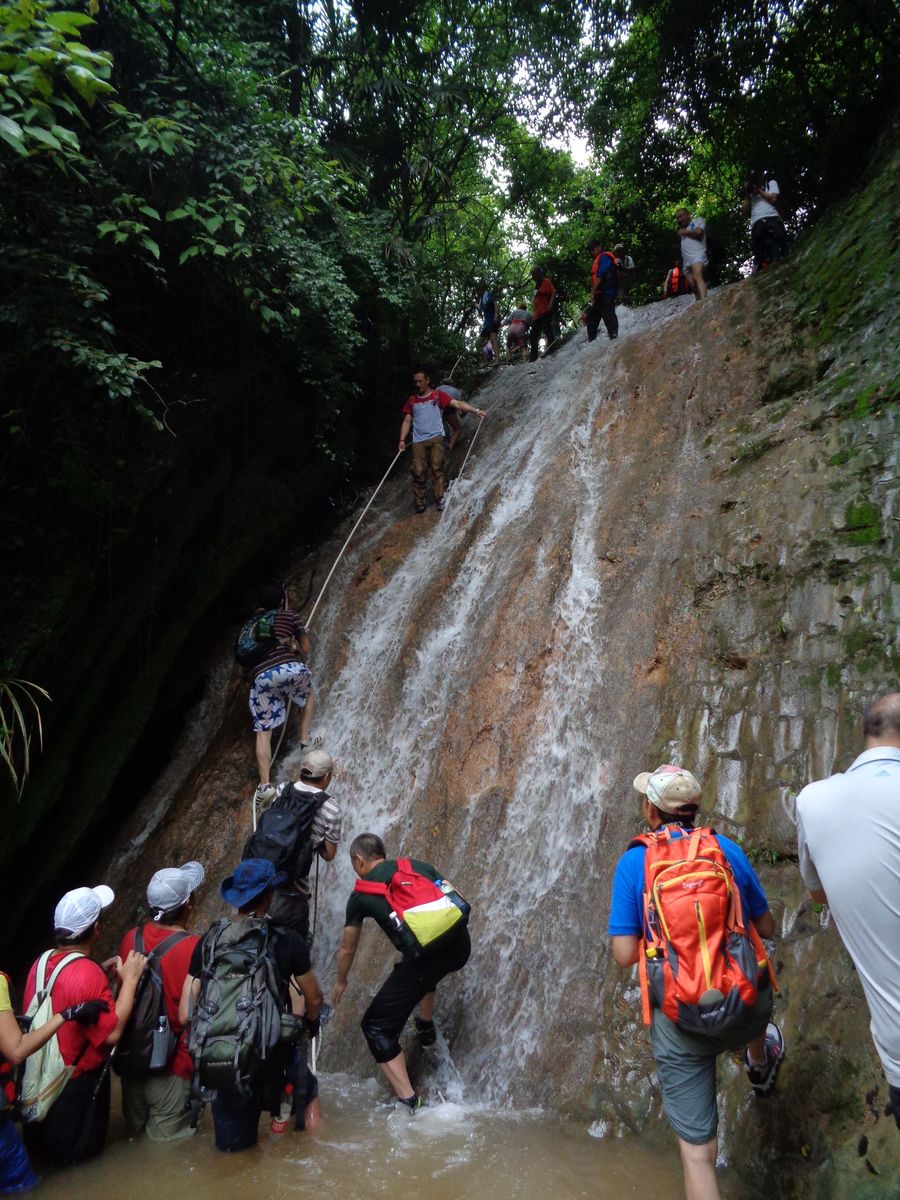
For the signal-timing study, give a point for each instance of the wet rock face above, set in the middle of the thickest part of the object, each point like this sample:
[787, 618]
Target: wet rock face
[680, 548]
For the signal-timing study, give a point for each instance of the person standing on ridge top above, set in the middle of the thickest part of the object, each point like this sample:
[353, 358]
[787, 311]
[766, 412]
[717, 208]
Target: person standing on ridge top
[489, 311]
[681, 957]
[423, 413]
[604, 289]
[768, 236]
[849, 852]
[677, 282]
[692, 232]
[626, 272]
[518, 323]
[280, 677]
[542, 312]
[412, 981]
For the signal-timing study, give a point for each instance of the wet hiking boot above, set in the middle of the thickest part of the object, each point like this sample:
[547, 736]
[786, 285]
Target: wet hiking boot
[762, 1078]
[420, 508]
[426, 1034]
[413, 1102]
[439, 505]
[313, 744]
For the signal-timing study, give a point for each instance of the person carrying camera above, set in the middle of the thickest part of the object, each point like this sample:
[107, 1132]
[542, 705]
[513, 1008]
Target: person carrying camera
[768, 236]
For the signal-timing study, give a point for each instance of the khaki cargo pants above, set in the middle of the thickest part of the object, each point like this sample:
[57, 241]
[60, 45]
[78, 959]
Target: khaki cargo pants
[424, 455]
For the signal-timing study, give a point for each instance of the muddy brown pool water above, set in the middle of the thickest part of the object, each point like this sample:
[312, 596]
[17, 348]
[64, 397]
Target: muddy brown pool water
[367, 1148]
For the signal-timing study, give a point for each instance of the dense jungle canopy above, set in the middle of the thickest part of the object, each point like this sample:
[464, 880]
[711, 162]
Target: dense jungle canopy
[228, 228]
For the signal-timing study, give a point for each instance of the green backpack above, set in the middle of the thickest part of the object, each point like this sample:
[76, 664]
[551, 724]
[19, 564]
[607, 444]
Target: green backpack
[239, 1029]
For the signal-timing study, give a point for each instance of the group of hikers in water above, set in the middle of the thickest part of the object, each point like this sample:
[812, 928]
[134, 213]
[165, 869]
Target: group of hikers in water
[227, 1018]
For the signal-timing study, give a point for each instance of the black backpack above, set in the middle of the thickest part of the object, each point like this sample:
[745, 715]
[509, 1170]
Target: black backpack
[148, 1042]
[283, 833]
[241, 1032]
[256, 639]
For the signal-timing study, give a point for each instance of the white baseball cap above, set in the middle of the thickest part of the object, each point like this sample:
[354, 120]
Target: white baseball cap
[80, 908]
[172, 886]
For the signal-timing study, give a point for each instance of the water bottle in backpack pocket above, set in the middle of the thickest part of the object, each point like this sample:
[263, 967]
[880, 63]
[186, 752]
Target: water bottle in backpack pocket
[148, 1041]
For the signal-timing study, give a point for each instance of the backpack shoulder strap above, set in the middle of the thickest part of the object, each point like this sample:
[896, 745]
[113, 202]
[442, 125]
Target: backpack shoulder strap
[642, 839]
[403, 864]
[48, 986]
[169, 943]
[370, 887]
[139, 940]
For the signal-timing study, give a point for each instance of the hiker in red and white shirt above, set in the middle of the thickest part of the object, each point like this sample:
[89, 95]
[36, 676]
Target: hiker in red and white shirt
[423, 413]
[75, 1127]
[158, 1103]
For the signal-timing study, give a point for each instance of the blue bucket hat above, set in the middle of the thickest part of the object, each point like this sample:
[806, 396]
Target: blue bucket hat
[250, 879]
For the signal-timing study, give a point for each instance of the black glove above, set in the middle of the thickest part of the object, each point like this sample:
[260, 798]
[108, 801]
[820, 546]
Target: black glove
[86, 1013]
[312, 1027]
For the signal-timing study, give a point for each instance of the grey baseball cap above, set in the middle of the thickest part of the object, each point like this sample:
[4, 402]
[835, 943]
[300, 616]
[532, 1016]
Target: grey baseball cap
[172, 886]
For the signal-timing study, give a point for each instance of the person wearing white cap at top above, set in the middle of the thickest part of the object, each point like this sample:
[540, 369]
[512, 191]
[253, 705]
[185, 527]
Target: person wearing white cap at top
[158, 1104]
[685, 1062]
[75, 1127]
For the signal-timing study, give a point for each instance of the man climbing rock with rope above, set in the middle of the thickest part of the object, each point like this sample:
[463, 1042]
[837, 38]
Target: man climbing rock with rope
[281, 678]
[303, 823]
[423, 413]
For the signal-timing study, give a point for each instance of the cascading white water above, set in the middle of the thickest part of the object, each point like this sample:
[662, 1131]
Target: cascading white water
[509, 585]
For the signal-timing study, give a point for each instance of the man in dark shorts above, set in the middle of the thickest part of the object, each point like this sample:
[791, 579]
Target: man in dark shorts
[281, 678]
[423, 413]
[542, 313]
[412, 981]
[250, 890]
[686, 1062]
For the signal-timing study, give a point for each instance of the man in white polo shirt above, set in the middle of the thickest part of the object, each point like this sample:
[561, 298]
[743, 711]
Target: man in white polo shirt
[858, 876]
[692, 231]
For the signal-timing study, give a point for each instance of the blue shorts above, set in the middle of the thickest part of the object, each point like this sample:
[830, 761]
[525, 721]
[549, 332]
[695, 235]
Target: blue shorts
[272, 690]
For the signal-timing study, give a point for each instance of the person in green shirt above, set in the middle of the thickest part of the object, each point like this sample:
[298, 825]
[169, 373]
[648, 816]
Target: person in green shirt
[412, 981]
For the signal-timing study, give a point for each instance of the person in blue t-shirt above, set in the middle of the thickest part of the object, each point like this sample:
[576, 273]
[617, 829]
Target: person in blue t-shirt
[685, 1062]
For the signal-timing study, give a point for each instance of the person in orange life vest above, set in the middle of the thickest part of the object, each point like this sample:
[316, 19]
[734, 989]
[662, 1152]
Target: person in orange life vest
[686, 1063]
[604, 289]
[412, 982]
[423, 413]
[542, 311]
[158, 1104]
[75, 1127]
[16, 1174]
[677, 282]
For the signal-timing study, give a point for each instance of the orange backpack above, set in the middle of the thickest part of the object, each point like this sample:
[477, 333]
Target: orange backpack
[701, 964]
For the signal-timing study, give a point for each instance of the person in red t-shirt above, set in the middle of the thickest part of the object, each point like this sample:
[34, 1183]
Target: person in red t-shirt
[75, 1127]
[542, 311]
[158, 1104]
[423, 413]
